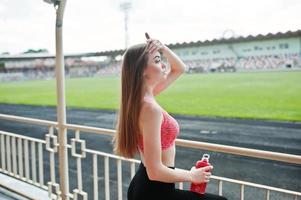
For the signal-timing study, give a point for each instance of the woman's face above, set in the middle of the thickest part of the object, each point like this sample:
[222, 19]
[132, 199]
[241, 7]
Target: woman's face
[156, 70]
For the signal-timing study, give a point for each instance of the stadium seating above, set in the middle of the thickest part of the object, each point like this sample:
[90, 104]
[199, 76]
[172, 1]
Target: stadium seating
[79, 68]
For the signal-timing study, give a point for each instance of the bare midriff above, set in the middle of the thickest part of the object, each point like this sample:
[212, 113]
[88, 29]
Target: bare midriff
[168, 156]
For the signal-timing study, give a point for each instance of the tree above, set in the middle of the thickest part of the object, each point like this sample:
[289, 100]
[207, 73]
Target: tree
[35, 51]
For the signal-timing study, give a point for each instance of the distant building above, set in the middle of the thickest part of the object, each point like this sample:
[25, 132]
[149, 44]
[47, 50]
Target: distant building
[260, 45]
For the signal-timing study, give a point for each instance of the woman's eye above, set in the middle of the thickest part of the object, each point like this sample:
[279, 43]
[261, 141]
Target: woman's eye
[157, 61]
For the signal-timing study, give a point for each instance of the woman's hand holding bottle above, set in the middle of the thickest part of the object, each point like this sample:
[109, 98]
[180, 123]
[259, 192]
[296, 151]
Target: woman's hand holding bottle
[200, 175]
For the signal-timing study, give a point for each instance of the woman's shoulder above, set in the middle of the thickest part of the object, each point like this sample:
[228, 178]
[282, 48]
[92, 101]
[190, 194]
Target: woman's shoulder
[150, 111]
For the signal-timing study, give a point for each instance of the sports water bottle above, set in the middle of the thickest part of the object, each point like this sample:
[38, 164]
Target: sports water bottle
[201, 187]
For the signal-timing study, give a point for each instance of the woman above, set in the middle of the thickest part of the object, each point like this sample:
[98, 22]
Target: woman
[144, 127]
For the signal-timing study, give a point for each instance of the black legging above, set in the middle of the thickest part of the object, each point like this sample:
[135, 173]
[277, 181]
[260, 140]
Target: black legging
[142, 188]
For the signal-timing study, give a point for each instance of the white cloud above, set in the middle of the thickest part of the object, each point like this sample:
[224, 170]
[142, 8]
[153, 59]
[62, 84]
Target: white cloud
[96, 25]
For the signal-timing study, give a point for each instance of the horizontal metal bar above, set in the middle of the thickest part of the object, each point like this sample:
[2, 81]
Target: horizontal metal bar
[255, 185]
[108, 155]
[22, 137]
[269, 155]
[28, 120]
[90, 129]
[289, 158]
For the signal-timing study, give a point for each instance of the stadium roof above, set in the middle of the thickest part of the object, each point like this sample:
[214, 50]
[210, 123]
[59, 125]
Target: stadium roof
[176, 45]
[239, 39]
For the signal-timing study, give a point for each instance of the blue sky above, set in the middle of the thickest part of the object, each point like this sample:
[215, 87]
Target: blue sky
[97, 25]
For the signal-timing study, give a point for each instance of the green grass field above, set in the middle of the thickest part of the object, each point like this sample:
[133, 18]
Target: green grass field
[259, 95]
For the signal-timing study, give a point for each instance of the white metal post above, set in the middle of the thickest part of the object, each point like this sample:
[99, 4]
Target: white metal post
[61, 105]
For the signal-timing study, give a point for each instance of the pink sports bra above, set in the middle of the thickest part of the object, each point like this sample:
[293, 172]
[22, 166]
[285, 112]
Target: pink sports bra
[169, 132]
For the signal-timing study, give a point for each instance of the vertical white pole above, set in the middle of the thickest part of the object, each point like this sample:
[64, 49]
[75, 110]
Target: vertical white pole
[220, 187]
[61, 105]
[119, 178]
[242, 192]
[126, 27]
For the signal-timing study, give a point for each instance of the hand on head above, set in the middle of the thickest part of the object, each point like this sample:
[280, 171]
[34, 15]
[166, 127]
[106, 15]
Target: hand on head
[153, 45]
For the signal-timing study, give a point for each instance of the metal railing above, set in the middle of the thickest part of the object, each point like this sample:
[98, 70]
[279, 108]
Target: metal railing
[17, 151]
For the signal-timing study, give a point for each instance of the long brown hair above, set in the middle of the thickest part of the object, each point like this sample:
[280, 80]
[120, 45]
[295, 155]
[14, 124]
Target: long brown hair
[132, 83]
